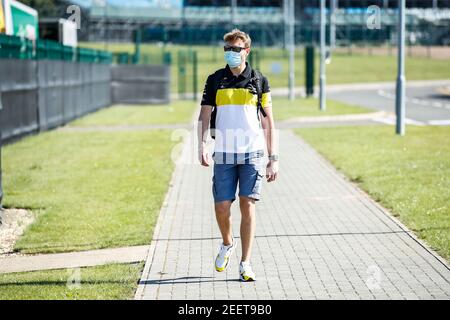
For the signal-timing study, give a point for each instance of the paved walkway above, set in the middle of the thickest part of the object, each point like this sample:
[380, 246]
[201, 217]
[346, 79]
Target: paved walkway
[318, 237]
[72, 259]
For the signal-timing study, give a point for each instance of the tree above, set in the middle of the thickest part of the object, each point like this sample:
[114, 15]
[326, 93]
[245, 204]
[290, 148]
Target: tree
[45, 8]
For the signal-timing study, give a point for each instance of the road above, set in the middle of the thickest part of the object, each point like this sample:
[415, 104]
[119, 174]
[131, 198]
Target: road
[425, 105]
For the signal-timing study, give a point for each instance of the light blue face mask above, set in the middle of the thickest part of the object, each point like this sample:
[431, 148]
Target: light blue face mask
[234, 59]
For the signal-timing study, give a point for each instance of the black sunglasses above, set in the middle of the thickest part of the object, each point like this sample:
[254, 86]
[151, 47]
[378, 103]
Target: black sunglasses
[233, 48]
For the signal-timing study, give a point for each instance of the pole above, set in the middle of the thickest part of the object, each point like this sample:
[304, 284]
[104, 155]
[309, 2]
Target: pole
[1, 186]
[322, 96]
[333, 7]
[291, 50]
[286, 23]
[104, 26]
[400, 90]
[233, 12]
[137, 46]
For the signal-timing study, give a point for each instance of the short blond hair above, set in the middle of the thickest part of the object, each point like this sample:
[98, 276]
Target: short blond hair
[236, 34]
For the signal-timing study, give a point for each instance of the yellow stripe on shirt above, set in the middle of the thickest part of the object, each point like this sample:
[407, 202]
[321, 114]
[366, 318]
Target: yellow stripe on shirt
[241, 96]
[236, 96]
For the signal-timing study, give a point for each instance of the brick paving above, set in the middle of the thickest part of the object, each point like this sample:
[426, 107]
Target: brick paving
[318, 237]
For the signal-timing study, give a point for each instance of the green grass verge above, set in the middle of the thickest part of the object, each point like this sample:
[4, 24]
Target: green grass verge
[90, 190]
[114, 281]
[364, 68]
[409, 175]
[176, 112]
[284, 109]
[344, 68]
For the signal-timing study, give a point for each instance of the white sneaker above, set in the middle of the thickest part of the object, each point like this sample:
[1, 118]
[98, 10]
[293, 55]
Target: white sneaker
[223, 257]
[246, 272]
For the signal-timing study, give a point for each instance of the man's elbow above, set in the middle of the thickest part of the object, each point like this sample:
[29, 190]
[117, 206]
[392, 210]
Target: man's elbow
[268, 122]
[205, 113]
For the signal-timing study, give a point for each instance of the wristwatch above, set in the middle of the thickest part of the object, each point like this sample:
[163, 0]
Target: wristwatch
[273, 157]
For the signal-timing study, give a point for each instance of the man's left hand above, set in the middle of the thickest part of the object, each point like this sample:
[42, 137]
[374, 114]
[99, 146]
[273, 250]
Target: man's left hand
[271, 170]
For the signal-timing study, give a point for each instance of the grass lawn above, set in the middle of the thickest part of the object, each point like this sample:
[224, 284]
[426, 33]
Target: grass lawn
[176, 112]
[409, 175]
[114, 281]
[89, 189]
[364, 68]
[285, 109]
[344, 68]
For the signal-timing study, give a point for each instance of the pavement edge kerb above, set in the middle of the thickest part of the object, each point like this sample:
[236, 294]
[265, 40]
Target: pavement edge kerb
[141, 286]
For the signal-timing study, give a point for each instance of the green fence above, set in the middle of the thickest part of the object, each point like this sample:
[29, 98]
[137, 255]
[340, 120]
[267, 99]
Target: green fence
[140, 56]
[255, 59]
[143, 58]
[19, 48]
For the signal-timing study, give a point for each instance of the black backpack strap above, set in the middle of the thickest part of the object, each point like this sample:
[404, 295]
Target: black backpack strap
[218, 76]
[257, 79]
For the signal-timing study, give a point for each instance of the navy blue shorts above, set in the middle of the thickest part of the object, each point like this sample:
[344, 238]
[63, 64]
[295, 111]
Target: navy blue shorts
[233, 169]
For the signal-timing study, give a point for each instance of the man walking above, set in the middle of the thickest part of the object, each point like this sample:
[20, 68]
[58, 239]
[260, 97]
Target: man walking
[237, 105]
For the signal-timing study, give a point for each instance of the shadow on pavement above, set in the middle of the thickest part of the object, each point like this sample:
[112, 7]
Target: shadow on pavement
[186, 280]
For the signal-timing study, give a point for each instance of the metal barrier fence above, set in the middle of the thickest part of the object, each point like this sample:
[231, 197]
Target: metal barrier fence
[40, 95]
[70, 90]
[21, 48]
[140, 84]
[19, 97]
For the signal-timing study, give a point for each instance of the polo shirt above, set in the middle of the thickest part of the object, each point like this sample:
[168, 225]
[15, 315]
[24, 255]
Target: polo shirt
[238, 129]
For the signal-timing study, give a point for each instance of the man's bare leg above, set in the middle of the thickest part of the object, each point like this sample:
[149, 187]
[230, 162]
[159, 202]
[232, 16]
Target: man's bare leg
[248, 224]
[223, 216]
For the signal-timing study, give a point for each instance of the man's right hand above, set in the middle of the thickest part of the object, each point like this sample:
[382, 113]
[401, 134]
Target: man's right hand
[203, 157]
